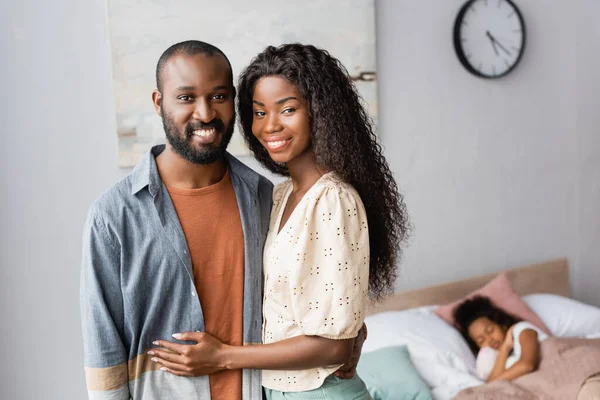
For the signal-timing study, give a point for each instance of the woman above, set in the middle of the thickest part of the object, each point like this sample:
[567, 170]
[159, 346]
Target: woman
[336, 224]
[516, 343]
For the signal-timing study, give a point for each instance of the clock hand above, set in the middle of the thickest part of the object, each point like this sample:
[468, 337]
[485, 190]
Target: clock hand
[493, 39]
[493, 42]
[502, 47]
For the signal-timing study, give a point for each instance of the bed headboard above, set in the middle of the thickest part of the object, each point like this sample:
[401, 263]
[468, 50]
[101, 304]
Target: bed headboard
[547, 277]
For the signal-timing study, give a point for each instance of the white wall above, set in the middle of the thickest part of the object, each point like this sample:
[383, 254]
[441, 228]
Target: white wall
[588, 148]
[495, 173]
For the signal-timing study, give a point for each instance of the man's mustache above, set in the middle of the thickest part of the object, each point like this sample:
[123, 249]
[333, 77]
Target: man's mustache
[217, 124]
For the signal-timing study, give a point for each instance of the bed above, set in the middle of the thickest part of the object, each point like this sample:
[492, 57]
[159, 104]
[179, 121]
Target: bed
[547, 277]
[440, 356]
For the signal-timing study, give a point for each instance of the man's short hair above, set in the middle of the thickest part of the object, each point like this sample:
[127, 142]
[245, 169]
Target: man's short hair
[189, 48]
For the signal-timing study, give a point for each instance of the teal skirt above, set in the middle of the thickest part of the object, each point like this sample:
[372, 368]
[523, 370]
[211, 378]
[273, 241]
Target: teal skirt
[333, 388]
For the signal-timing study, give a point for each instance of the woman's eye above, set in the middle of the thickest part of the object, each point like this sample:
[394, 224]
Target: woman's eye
[288, 110]
[259, 113]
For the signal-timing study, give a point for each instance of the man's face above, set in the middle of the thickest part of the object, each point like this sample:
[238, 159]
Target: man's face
[197, 106]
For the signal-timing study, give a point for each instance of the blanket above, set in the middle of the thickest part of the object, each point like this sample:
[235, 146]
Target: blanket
[565, 364]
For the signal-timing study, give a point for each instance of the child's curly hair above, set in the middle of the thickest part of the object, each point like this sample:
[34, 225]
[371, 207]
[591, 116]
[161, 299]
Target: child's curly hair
[477, 307]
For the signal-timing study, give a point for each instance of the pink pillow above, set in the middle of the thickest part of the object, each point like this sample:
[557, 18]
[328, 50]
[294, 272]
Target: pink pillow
[502, 295]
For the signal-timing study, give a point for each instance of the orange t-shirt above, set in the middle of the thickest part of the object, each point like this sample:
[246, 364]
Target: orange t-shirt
[211, 222]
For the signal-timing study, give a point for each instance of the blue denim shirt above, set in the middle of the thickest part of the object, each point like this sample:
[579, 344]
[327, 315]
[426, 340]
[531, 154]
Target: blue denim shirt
[137, 284]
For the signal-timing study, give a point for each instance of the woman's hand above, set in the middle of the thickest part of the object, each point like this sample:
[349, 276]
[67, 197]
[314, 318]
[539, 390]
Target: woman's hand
[202, 358]
[508, 343]
[348, 370]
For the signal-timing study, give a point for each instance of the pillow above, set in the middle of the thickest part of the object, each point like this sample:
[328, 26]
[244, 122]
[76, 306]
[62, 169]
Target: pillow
[564, 316]
[390, 375]
[420, 329]
[438, 352]
[486, 359]
[502, 295]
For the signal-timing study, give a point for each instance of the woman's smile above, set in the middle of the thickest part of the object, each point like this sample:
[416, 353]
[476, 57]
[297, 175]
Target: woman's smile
[275, 144]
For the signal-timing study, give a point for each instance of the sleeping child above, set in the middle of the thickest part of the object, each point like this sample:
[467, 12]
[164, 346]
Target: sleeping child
[506, 348]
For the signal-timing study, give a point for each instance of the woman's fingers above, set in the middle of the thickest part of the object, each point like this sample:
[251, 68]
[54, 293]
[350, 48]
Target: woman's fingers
[174, 347]
[168, 356]
[172, 367]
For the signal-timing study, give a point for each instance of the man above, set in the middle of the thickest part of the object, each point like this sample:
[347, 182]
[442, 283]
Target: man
[177, 245]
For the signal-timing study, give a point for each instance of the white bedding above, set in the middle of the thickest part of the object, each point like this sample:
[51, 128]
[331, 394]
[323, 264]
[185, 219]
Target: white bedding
[442, 357]
[565, 317]
[439, 353]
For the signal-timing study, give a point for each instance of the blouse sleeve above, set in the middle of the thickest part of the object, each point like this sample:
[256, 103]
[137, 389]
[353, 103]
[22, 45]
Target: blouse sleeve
[329, 289]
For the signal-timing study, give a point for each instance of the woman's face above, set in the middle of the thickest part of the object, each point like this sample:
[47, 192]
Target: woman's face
[485, 332]
[281, 122]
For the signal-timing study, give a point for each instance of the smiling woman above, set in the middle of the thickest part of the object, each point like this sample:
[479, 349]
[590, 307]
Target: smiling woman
[336, 224]
[281, 119]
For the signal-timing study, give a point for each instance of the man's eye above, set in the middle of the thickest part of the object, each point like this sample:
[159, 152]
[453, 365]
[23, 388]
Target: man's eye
[185, 98]
[219, 97]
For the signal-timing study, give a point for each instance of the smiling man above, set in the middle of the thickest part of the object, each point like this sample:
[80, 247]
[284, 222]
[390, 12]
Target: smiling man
[177, 245]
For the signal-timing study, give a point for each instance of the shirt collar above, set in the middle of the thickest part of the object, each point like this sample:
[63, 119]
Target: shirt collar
[145, 173]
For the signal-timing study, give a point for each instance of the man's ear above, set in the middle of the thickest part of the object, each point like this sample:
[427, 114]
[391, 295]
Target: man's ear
[157, 100]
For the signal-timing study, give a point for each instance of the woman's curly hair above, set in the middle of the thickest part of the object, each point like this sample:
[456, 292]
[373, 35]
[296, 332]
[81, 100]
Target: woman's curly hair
[343, 140]
[480, 306]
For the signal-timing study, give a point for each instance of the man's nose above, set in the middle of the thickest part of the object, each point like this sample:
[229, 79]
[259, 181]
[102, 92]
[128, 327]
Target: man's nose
[204, 112]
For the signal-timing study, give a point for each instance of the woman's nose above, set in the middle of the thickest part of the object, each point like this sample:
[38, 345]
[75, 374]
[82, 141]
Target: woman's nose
[272, 124]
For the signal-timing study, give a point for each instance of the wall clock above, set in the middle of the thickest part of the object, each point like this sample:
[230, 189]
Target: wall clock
[489, 37]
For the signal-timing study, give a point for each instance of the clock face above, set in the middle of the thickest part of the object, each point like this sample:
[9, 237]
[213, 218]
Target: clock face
[489, 37]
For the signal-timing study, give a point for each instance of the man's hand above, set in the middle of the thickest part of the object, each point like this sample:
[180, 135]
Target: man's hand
[202, 358]
[348, 370]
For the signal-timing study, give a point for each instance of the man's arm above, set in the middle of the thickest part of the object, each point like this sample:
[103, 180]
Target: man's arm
[102, 314]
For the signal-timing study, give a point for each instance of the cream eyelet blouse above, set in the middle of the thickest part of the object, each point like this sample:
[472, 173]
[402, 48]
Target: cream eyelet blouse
[316, 273]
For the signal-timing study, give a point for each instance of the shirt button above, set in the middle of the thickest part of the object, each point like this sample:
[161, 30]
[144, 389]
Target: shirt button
[194, 294]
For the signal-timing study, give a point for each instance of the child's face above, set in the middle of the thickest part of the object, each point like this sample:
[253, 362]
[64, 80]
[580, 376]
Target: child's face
[485, 332]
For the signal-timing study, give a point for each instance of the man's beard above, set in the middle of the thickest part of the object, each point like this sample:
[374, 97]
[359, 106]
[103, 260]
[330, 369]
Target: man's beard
[179, 141]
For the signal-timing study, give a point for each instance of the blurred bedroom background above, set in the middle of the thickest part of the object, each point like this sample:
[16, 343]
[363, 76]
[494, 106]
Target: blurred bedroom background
[496, 173]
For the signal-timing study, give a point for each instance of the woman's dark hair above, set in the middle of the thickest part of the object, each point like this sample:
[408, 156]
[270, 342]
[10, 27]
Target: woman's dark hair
[343, 140]
[479, 306]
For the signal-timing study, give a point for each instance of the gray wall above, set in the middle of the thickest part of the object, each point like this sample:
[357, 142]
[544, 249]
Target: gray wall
[495, 173]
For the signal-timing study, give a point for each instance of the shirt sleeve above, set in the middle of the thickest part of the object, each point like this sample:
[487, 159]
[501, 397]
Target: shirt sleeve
[102, 314]
[329, 288]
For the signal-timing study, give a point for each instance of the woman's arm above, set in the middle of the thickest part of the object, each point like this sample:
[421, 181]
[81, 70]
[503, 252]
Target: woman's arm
[300, 352]
[209, 355]
[530, 357]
